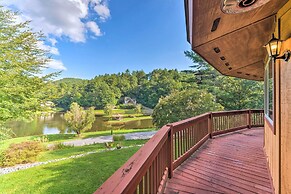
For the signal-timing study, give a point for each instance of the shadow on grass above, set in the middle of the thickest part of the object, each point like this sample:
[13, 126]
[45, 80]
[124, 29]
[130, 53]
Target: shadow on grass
[82, 175]
[62, 153]
[85, 175]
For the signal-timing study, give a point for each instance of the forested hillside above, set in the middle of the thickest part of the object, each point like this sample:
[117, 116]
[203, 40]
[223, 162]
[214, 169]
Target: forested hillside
[148, 88]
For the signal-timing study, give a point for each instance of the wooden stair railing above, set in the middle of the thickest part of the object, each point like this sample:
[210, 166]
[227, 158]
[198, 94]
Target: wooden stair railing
[149, 168]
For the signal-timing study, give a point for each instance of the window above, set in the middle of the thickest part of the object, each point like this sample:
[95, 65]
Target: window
[269, 90]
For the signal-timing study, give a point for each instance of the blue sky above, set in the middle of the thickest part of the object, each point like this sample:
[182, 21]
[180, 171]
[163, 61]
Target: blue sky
[93, 37]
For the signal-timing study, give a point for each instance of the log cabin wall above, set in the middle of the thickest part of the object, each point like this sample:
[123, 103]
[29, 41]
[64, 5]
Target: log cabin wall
[277, 141]
[284, 16]
[235, 48]
[285, 122]
[271, 143]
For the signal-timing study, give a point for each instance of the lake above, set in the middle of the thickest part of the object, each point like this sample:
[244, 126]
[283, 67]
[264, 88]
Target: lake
[55, 124]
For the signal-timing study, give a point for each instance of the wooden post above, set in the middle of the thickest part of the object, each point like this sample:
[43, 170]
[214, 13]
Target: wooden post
[249, 119]
[170, 151]
[210, 129]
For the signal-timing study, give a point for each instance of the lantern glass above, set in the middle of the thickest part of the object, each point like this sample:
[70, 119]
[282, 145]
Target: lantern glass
[274, 47]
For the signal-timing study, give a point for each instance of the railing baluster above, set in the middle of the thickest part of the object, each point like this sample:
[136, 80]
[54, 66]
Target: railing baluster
[170, 152]
[140, 187]
[146, 183]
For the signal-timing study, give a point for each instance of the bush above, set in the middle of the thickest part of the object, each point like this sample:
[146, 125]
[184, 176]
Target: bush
[61, 146]
[127, 106]
[182, 105]
[138, 109]
[118, 137]
[108, 109]
[5, 133]
[42, 139]
[21, 153]
[2, 158]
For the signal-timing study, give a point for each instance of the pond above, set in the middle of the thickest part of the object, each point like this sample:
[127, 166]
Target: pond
[55, 124]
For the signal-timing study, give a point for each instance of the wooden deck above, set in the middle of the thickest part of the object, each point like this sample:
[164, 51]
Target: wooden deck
[233, 163]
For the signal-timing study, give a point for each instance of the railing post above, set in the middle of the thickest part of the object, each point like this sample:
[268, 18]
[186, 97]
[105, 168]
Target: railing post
[249, 119]
[210, 128]
[170, 151]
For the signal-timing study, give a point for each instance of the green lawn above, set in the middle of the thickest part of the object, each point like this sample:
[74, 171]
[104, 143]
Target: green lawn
[124, 120]
[56, 138]
[116, 111]
[82, 175]
[63, 153]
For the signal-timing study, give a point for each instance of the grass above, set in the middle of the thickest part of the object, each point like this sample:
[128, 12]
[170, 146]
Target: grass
[63, 153]
[125, 116]
[124, 120]
[117, 111]
[57, 138]
[82, 175]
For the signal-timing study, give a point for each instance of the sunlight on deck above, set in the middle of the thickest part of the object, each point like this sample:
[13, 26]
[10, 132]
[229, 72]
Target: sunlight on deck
[232, 163]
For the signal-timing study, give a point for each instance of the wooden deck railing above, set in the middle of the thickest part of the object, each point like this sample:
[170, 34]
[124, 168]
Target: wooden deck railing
[149, 168]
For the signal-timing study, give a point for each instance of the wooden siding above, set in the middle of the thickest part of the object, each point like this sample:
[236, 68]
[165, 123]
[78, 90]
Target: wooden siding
[285, 122]
[278, 146]
[272, 151]
[240, 37]
[233, 163]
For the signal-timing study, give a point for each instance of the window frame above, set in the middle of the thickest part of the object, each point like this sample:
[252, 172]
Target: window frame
[267, 92]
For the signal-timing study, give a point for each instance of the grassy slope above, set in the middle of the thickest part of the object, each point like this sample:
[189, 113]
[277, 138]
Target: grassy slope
[82, 175]
[117, 111]
[65, 137]
[63, 153]
[129, 119]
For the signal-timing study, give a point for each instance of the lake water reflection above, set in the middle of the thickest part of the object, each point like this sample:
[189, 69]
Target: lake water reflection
[55, 124]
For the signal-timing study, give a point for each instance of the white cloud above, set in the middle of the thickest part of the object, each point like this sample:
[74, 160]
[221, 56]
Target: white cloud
[51, 49]
[56, 64]
[94, 28]
[61, 18]
[53, 41]
[103, 11]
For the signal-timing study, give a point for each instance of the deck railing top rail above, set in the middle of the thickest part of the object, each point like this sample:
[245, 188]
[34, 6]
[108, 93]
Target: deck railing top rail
[148, 169]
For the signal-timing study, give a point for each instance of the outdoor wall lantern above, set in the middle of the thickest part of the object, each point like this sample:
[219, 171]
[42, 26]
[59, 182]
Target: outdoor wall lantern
[274, 47]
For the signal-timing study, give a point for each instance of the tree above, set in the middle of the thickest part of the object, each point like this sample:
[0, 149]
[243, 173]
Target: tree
[236, 94]
[138, 109]
[108, 109]
[160, 84]
[98, 94]
[21, 63]
[184, 104]
[231, 93]
[79, 119]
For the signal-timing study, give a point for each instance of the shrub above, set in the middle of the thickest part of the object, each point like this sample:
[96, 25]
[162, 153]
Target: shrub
[118, 137]
[127, 106]
[138, 109]
[2, 158]
[5, 133]
[108, 145]
[108, 109]
[61, 146]
[21, 153]
[42, 139]
[182, 105]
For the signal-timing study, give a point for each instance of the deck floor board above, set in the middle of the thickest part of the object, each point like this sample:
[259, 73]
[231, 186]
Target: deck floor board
[231, 163]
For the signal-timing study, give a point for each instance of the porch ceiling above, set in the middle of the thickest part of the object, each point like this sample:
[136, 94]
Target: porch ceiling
[239, 37]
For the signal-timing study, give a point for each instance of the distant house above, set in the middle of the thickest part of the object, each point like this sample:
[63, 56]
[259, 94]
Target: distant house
[48, 104]
[128, 100]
